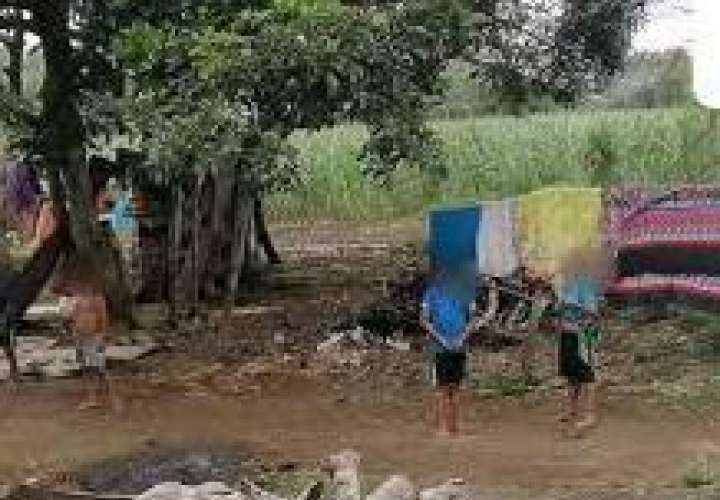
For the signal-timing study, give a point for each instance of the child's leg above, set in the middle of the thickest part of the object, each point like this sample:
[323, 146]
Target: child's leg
[589, 391]
[570, 402]
[454, 417]
[89, 396]
[445, 410]
[434, 410]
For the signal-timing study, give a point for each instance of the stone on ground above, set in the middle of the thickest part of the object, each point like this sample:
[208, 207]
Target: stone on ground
[395, 488]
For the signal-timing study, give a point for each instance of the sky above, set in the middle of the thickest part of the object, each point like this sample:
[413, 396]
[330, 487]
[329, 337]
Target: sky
[669, 26]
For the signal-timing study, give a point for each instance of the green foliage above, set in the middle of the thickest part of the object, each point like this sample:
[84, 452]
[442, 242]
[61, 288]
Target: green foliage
[524, 51]
[501, 156]
[314, 70]
[300, 8]
[701, 473]
[652, 80]
[601, 155]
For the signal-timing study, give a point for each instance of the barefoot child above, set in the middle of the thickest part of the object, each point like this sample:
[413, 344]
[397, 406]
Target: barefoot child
[578, 324]
[89, 322]
[448, 307]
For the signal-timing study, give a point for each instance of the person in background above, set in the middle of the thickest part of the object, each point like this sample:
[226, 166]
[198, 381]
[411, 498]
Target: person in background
[89, 325]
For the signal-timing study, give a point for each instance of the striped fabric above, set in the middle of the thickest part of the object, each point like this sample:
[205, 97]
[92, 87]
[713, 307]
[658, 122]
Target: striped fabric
[665, 240]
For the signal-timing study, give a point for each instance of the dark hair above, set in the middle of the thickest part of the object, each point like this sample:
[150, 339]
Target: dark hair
[99, 173]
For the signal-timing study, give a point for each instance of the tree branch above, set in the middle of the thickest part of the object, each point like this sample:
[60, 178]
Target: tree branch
[31, 5]
[10, 23]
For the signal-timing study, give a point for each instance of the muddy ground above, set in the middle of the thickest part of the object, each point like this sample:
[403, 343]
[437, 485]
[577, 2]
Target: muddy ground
[253, 389]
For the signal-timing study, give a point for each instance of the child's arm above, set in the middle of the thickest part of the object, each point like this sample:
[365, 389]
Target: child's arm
[490, 312]
[425, 319]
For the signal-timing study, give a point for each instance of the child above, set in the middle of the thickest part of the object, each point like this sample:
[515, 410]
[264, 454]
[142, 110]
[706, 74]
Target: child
[89, 322]
[447, 308]
[578, 324]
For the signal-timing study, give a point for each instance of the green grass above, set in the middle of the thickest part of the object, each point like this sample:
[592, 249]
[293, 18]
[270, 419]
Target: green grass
[501, 156]
[701, 473]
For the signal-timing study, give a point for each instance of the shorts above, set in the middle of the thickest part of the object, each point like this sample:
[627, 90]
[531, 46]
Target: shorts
[91, 354]
[450, 368]
[571, 365]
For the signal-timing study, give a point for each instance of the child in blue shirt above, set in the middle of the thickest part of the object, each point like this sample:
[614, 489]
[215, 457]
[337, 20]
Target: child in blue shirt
[448, 310]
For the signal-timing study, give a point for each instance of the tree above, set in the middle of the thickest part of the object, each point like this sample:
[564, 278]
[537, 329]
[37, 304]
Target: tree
[527, 50]
[57, 140]
[264, 69]
[14, 43]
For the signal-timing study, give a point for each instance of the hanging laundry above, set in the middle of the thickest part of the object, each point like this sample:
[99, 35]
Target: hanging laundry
[497, 245]
[664, 240]
[553, 223]
[453, 237]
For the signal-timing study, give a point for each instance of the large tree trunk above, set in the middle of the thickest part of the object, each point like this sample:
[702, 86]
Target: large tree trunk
[263, 236]
[175, 243]
[63, 144]
[196, 258]
[240, 226]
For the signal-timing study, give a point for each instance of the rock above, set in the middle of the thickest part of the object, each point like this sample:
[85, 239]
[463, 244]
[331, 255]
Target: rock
[331, 342]
[358, 335]
[343, 470]
[251, 491]
[314, 492]
[4, 490]
[397, 345]
[207, 491]
[395, 488]
[164, 491]
[213, 489]
[452, 490]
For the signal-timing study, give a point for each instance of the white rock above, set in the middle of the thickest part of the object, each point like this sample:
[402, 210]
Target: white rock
[395, 488]
[164, 491]
[358, 335]
[328, 344]
[452, 490]
[397, 345]
[213, 488]
[343, 468]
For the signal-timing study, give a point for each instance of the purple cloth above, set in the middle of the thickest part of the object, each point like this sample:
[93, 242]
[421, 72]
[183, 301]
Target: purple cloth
[20, 184]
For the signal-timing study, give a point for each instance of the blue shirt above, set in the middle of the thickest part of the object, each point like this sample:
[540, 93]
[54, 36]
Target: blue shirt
[582, 291]
[448, 314]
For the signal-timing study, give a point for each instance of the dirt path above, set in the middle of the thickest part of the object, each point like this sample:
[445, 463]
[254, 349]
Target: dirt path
[507, 445]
